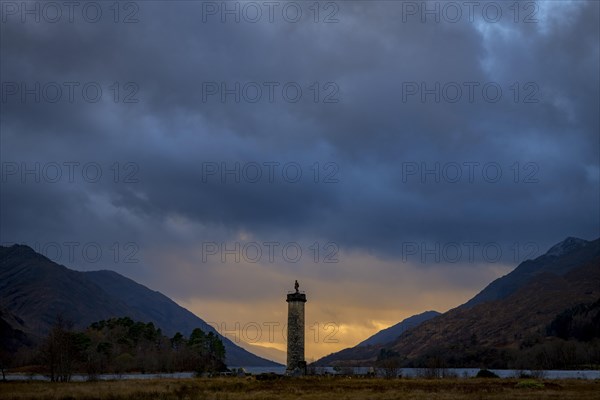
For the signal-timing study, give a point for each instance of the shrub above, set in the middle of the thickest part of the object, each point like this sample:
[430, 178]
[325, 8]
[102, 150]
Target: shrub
[486, 373]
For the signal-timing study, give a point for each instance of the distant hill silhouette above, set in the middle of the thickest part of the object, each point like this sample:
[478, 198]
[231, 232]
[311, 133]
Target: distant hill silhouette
[365, 349]
[34, 290]
[391, 333]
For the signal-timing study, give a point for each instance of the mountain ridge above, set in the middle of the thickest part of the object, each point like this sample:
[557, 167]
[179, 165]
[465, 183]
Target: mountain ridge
[388, 334]
[567, 275]
[571, 248]
[36, 289]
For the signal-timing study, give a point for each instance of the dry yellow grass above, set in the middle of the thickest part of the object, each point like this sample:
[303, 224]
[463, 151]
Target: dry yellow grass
[303, 388]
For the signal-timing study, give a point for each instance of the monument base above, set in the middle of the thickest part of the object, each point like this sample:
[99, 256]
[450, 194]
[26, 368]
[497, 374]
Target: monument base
[300, 370]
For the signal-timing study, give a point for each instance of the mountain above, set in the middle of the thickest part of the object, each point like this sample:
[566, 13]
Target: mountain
[267, 352]
[368, 347]
[12, 333]
[509, 315]
[391, 333]
[560, 259]
[153, 305]
[36, 290]
[512, 323]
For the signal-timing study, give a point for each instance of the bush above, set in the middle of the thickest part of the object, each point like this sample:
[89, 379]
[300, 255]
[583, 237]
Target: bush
[267, 376]
[485, 373]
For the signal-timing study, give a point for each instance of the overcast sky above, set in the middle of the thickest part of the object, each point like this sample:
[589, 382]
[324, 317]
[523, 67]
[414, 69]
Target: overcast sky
[390, 162]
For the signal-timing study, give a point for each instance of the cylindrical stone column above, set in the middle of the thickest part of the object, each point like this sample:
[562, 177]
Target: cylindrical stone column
[295, 336]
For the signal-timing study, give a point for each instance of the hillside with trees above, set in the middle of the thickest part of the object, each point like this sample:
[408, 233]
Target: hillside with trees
[34, 290]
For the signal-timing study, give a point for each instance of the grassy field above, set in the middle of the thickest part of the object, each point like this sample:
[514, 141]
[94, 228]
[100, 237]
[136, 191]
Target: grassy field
[305, 388]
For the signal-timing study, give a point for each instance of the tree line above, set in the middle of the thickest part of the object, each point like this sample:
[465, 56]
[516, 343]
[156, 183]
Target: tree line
[121, 345]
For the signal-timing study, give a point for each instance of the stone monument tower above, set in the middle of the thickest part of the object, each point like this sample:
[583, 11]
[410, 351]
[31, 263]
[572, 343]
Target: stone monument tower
[295, 338]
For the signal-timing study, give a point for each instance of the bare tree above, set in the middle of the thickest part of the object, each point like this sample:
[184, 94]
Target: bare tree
[389, 362]
[59, 351]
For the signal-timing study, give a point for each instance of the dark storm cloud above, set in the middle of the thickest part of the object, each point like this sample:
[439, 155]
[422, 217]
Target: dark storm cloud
[371, 134]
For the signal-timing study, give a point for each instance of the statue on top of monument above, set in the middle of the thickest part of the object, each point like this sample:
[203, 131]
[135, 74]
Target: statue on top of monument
[296, 286]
